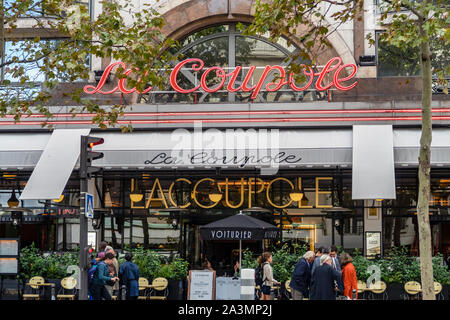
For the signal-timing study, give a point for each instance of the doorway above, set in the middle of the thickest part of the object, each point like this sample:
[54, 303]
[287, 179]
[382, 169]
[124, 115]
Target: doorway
[224, 254]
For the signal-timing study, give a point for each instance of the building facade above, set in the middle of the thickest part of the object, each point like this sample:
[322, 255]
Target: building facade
[352, 154]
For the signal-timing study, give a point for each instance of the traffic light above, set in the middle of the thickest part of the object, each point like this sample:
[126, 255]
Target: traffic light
[87, 156]
[89, 254]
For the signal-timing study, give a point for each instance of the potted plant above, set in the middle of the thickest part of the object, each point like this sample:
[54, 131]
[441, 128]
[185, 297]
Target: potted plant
[177, 277]
[284, 261]
[442, 275]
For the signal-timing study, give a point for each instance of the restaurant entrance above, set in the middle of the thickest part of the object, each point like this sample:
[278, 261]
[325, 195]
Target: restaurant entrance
[224, 254]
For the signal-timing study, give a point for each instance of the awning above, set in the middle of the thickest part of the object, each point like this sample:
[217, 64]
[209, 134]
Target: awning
[373, 162]
[299, 148]
[239, 227]
[226, 149]
[55, 165]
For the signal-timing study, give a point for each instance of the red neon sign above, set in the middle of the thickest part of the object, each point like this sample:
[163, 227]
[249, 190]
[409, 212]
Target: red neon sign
[335, 64]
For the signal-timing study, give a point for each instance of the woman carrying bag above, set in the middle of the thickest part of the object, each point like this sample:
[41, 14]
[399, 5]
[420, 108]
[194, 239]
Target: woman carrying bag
[268, 280]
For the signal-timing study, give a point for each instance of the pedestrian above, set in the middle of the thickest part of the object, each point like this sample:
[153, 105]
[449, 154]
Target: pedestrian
[325, 281]
[101, 277]
[349, 276]
[129, 277]
[114, 270]
[448, 260]
[101, 247]
[268, 280]
[236, 268]
[206, 265]
[316, 263]
[301, 277]
[334, 259]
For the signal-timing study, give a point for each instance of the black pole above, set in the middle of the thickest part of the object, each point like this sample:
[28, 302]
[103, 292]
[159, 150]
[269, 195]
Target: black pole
[332, 230]
[180, 245]
[83, 294]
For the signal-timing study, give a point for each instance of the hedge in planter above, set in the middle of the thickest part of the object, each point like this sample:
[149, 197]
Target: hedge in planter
[49, 266]
[284, 260]
[398, 267]
[153, 265]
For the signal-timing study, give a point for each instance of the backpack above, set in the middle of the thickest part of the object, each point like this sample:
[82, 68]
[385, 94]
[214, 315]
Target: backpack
[91, 274]
[259, 272]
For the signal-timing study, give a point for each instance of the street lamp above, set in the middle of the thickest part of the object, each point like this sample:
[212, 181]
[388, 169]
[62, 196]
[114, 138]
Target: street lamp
[16, 215]
[98, 218]
[13, 201]
[215, 195]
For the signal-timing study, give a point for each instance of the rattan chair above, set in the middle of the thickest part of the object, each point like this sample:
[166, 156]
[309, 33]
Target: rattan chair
[143, 289]
[68, 289]
[362, 290]
[378, 290]
[438, 291]
[413, 290]
[36, 288]
[288, 289]
[159, 289]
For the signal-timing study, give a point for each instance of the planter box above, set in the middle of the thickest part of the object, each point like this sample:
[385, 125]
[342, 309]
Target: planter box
[446, 291]
[395, 291]
[283, 292]
[47, 292]
[176, 289]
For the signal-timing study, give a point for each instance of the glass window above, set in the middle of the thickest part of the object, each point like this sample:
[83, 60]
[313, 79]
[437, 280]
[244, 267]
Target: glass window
[226, 47]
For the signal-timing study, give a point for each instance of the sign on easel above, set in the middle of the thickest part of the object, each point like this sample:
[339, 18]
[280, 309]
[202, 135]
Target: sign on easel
[201, 285]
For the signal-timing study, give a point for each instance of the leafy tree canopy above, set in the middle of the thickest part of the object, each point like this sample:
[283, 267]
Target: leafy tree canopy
[37, 66]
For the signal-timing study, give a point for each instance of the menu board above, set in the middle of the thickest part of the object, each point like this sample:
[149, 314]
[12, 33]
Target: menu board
[9, 247]
[9, 266]
[201, 285]
[373, 244]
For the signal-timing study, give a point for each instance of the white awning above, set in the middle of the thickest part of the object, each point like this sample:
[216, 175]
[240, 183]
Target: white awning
[299, 148]
[222, 148]
[373, 162]
[55, 165]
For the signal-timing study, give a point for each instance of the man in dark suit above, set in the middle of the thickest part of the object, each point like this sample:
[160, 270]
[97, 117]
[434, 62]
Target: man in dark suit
[325, 281]
[334, 259]
[301, 277]
[316, 263]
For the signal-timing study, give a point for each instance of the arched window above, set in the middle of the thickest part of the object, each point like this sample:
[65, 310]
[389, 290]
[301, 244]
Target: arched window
[225, 46]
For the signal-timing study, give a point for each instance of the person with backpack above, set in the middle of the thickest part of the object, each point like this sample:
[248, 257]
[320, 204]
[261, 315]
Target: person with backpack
[99, 276]
[258, 278]
[267, 276]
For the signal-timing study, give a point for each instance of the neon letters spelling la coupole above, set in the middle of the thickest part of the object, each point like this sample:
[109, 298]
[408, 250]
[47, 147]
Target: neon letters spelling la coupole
[335, 64]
